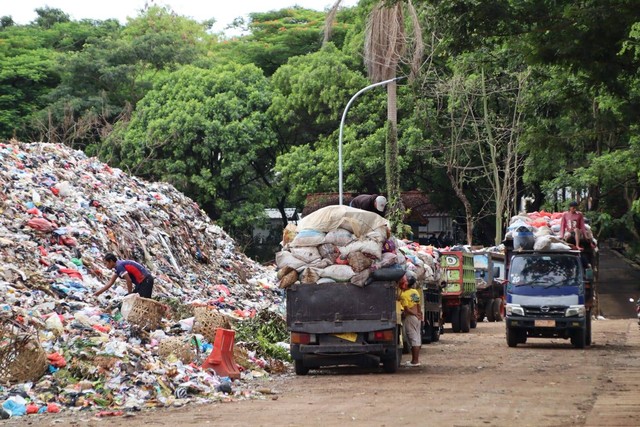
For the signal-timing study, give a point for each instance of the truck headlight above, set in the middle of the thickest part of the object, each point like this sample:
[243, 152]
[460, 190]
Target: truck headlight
[514, 310]
[575, 310]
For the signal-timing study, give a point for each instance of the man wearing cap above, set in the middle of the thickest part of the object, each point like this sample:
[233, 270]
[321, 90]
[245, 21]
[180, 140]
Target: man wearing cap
[572, 224]
[370, 202]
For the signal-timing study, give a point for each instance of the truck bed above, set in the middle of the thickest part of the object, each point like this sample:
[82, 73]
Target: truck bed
[338, 307]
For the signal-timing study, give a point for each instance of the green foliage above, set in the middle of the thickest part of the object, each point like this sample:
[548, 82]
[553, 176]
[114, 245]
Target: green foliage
[207, 133]
[262, 333]
[278, 35]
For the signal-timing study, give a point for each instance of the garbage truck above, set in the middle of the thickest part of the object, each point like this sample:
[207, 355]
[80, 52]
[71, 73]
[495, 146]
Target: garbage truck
[549, 294]
[335, 324]
[490, 275]
[459, 304]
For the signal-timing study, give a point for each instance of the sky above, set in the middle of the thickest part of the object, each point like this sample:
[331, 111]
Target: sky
[223, 11]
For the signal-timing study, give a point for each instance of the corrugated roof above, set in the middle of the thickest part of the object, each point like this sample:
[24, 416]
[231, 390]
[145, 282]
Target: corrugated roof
[275, 213]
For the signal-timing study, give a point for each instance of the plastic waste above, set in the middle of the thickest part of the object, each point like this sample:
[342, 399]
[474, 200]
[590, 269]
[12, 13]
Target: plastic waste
[16, 406]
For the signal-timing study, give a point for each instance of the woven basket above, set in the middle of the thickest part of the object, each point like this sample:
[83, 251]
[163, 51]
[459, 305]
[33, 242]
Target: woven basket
[145, 313]
[180, 347]
[207, 320]
[22, 358]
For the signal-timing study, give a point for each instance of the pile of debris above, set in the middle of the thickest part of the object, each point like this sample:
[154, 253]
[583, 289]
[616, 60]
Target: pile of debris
[541, 231]
[344, 244]
[61, 212]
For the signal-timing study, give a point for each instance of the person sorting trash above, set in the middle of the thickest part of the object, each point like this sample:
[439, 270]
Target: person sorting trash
[132, 272]
[370, 202]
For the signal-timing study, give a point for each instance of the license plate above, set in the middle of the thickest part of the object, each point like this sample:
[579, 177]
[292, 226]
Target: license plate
[545, 323]
[349, 336]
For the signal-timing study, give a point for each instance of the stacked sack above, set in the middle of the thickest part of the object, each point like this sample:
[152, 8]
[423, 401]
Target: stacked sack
[338, 244]
[541, 231]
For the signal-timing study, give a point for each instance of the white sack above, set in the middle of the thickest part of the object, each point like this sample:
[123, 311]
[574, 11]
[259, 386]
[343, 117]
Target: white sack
[307, 254]
[369, 247]
[339, 237]
[333, 217]
[286, 259]
[337, 272]
[308, 238]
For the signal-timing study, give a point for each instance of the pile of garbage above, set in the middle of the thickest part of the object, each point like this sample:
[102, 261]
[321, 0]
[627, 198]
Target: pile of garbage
[63, 348]
[344, 244]
[541, 231]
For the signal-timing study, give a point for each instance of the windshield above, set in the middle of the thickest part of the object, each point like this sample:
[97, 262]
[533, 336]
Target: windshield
[545, 271]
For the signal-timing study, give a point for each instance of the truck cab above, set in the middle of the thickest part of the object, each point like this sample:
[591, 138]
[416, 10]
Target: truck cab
[549, 294]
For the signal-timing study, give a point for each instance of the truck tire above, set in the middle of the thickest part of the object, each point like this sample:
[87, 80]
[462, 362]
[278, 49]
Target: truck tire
[391, 365]
[455, 318]
[579, 338]
[300, 368]
[512, 337]
[488, 311]
[465, 318]
[426, 331]
[435, 331]
[473, 319]
[498, 309]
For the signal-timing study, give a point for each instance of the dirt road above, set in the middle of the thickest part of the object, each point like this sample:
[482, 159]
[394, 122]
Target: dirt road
[469, 379]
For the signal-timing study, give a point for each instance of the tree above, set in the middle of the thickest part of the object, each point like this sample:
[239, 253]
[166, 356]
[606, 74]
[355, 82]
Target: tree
[384, 49]
[311, 92]
[102, 82]
[278, 35]
[207, 133]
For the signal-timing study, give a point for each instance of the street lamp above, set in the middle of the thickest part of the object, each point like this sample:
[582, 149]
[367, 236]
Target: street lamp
[344, 116]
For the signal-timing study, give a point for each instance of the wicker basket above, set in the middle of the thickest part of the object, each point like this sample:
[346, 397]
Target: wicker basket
[181, 348]
[207, 320]
[22, 358]
[143, 312]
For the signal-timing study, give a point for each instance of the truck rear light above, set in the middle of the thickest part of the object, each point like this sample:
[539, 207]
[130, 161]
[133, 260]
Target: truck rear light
[300, 338]
[386, 335]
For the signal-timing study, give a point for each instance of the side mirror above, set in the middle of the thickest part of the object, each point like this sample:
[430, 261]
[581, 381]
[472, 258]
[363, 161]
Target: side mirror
[588, 274]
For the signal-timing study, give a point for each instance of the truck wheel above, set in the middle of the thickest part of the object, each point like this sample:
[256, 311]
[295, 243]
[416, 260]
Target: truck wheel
[465, 318]
[391, 365]
[426, 332]
[455, 318]
[512, 337]
[473, 318]
[435, 332]
[498, 309]
[579, 338]
[300, 368]
[588, 337]
[488, 311]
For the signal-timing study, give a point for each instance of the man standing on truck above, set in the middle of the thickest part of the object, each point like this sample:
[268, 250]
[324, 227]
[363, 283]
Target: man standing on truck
[370, 202]
[572, 224]
[412, 318]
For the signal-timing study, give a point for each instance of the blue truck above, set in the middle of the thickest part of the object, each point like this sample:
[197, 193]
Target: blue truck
[549, 294]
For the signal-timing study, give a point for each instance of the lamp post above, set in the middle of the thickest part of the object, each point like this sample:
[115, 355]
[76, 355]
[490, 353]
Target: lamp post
[344, 116]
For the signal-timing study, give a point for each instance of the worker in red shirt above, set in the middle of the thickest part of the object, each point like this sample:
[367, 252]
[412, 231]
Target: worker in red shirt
[572, 224]
[139, 279]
